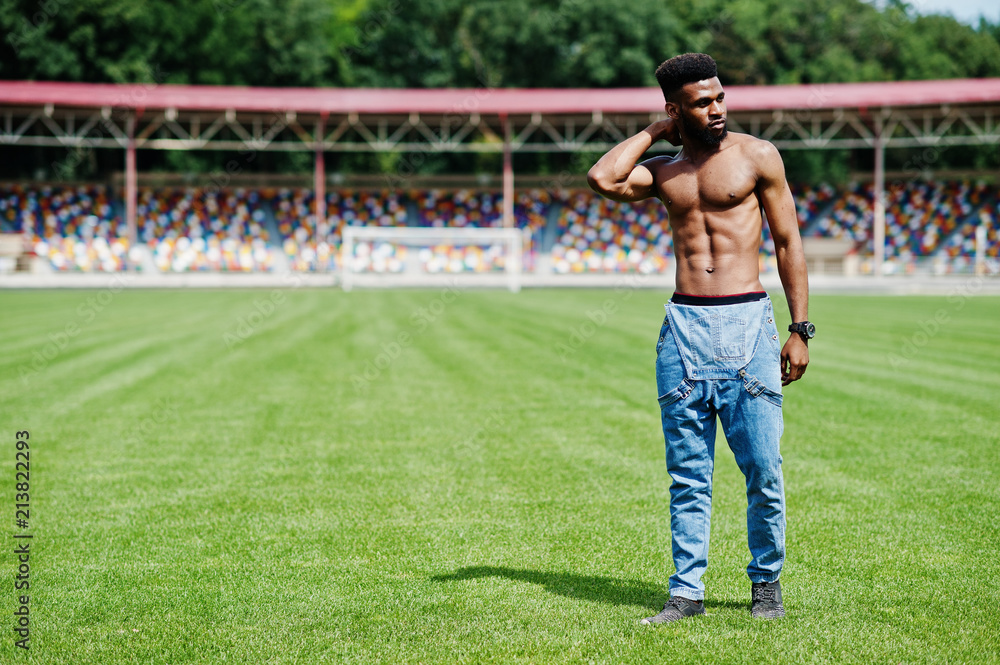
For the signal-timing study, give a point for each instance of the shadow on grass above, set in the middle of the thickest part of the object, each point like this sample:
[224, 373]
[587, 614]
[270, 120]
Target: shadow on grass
[587, 587]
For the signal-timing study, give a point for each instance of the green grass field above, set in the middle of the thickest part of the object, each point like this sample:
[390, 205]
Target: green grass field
[473, 477]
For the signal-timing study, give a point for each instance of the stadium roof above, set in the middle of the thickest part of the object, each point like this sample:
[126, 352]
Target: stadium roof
[488, 100]
[186, 117]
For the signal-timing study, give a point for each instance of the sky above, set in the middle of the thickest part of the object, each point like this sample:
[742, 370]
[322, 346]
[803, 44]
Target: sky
[967, 11]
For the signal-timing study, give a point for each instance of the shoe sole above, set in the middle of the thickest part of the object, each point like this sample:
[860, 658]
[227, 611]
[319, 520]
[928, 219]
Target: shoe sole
[647, 622]
[769, 615]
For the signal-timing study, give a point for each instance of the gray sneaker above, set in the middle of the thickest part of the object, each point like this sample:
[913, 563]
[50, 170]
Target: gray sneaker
[677, 608]
[766, 601]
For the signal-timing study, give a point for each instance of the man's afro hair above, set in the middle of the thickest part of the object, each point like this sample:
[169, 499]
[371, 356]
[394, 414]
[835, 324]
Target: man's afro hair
[686, 68]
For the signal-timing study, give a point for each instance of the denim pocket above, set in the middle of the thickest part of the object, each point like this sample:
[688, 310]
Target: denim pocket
[678, 393]
[724, 335]
[756, 388]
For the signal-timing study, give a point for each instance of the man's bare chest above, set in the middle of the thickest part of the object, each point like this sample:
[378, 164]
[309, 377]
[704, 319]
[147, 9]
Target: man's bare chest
[714, 186]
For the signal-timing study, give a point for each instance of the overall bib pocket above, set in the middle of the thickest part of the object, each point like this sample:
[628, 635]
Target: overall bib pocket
[722, 335]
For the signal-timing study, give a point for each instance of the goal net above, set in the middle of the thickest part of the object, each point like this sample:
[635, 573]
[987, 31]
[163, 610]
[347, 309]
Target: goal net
[421, 256]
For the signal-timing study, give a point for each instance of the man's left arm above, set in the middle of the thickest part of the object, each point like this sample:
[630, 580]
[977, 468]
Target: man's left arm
[779, 206]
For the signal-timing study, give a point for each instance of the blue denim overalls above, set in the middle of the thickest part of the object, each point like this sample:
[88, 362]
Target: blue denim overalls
[721, 361]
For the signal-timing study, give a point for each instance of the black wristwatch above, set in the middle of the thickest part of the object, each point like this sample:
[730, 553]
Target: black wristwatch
[804, 328]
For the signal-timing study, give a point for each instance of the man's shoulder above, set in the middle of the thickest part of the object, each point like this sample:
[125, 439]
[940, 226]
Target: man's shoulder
[753, 146]
[662, 166]
[761, 153]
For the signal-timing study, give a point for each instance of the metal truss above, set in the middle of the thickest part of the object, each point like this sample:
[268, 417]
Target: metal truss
[888, 127]
[169, 129]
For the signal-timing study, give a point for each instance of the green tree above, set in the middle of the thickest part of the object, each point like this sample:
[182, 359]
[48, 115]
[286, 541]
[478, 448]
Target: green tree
[231, 42]
[516, 43]
[400, 43]
[938, 47]
[764, 42]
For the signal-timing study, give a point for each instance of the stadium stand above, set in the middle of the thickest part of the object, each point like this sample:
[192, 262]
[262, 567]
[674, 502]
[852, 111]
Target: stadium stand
[197, 229]
[599, 235]
[307, 250]
[812, 203]
[923, 220]
[75, 228]
[80, 228]
[482, 209]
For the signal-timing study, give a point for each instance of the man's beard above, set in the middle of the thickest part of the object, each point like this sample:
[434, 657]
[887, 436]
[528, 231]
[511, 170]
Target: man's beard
[704, 136]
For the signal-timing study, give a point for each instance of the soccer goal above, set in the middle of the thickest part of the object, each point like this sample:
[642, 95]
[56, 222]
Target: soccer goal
[419, 256]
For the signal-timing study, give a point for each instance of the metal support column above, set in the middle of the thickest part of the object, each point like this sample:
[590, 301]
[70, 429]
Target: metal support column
[131, 185]
[319, 178]
[508, 176]
[878, 234]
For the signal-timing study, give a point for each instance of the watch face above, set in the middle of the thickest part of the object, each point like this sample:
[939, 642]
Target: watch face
[804, 328]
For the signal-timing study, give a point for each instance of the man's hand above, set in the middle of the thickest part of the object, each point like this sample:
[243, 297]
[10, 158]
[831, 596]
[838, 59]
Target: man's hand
[794, 359]
[665, 130]
[671, 132]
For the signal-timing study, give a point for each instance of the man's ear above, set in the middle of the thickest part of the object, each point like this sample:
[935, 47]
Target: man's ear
[672, 109]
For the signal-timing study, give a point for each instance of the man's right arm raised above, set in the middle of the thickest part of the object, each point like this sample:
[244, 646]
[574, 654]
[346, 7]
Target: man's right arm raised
[617, 176]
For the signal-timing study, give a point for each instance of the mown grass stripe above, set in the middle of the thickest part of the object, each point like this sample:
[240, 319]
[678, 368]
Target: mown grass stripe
[484, 498]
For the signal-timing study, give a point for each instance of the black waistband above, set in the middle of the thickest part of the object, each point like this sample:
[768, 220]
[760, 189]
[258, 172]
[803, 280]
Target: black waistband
[702, 301]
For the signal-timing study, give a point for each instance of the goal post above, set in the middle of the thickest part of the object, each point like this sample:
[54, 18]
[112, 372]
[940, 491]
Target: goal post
[392, 255]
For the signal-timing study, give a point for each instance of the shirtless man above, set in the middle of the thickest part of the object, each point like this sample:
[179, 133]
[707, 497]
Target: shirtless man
[718, 353]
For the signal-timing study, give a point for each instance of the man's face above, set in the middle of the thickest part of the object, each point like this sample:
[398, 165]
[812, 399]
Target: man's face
[700, 110]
